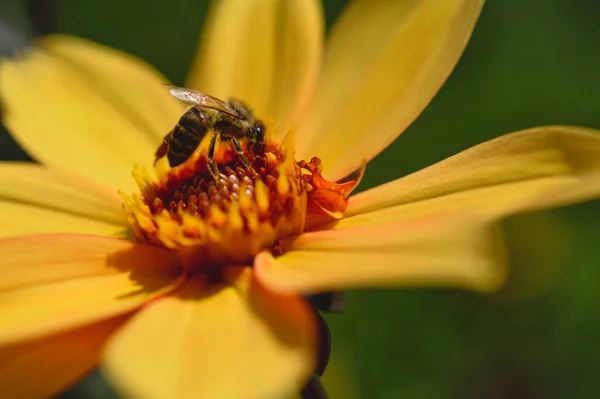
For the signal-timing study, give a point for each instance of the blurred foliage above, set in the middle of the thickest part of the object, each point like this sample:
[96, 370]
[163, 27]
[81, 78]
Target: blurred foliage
[530, 62]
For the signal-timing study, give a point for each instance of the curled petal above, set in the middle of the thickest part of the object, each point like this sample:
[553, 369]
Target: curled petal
[383, 64]
[53, 282]
[326, 200]
[233, 340]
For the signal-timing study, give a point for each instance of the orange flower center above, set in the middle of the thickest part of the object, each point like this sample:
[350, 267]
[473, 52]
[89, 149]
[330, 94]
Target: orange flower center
[212, 223]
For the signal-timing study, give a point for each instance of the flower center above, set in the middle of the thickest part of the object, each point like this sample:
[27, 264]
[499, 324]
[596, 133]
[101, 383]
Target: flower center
[248, 198]
[212, 223]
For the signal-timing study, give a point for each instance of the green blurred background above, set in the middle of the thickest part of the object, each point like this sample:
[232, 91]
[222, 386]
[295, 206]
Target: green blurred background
[530, 62]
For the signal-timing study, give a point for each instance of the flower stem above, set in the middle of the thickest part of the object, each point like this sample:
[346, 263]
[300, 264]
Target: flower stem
[314, 389]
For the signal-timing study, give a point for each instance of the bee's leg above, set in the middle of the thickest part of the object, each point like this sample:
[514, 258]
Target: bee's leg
[162, 151]
[212, 166]
[240, 152]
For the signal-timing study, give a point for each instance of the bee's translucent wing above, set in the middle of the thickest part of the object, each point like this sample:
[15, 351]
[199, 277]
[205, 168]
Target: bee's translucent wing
[194, 97]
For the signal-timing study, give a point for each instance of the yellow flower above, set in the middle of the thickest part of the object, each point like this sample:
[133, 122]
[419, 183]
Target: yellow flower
[77, 290]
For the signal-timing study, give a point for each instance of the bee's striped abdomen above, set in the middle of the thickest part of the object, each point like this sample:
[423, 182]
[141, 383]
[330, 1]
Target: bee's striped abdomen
[187, 135]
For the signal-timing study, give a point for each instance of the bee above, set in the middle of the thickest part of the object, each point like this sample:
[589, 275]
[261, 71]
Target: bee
[232, 122]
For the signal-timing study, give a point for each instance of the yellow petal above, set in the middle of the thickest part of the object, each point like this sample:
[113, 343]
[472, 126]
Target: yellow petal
[266, 53]
[434, 251]
[434, 226]
[528, 170]
[50, 283]
[384, 62]
[76, 105]
[45, 367]
[215, 341]
[35, 199]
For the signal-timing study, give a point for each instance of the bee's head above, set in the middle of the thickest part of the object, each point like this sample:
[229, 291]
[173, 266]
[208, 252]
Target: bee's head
[256, 136]
[259, 132]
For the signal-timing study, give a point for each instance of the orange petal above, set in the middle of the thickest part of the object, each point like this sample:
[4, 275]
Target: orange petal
[266, 53]
[35, 199]
[46, 366]
[53, 282]
[78, 106]
[384, 62]
[433, 251]
[528, 170]
[326, 200]
[215, 341]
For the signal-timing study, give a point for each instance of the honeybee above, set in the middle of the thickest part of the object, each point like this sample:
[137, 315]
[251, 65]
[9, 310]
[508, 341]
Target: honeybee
[232, 121]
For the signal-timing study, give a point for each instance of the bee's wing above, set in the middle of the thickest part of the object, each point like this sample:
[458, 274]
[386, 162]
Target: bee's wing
[194, 97]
